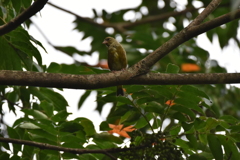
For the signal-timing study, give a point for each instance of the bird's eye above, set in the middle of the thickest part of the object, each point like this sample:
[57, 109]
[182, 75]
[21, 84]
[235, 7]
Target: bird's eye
[108, 39]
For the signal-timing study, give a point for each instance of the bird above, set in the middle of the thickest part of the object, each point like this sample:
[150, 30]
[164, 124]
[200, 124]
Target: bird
[117, 59]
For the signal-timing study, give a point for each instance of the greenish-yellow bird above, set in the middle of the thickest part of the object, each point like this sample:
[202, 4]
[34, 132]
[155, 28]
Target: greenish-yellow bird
[117, 59]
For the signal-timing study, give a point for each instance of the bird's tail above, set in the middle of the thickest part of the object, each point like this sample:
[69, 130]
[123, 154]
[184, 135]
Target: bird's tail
[120, 91]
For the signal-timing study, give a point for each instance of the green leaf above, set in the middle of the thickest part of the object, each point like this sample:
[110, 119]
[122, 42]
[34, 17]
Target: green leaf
[211, 123]
[37, 42]
[9, 59]
[175, 130]
[192, 141]
[60, 116]
[189, 95]
[104, 126]
[154, 107]
[113, 98]
[47, 107]
[4, 155]
[188, 104]
[165, 91]
[215, 146]
[70, 138]
[184, 110]
[229, 119]
[13, 134]
[67, 155]
[132, 119]
[126, 116]
[87, 125]
[124, 100]
[27, 60]
[12, 98]
[142, 122]
[35, 113]
[107, 137]
[38, 133]
[26, 3]
[230, 148]
[199, 124]
[172, 68]
[144, 100]
[139, 94]
[46, 125]
[74, 128]
[179, 116]
[28, 151]
[156, 123]
[235, 137]
[20, 40]
[28, 125]
[198, 157]
[235, 128]
[69, 50]
[203, 137]
[49, 95]
[134, 88]
[83, 98]
[86, 157]
[182, 143]
[194, 90]
[119, 111]
[17, 5]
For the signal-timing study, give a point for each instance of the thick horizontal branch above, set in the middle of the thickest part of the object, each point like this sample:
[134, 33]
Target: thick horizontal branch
[26, 14]
[96, 81]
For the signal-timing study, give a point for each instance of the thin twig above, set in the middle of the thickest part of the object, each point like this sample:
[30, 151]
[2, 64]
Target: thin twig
[41, 32]
[121, 27]
[204, 14]
[59, 148]
[139, 110]
[70, 150]
[167, 110]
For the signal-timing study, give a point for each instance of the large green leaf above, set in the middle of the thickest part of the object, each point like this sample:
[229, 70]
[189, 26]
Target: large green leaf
[45, 94]
[87, 125]
[9, 59]
[215, 146]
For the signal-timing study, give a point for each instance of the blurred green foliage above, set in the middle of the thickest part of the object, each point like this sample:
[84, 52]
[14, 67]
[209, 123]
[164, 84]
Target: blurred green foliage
[201, 122]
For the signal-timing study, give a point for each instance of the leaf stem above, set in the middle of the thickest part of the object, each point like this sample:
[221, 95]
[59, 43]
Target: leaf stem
[144, 116]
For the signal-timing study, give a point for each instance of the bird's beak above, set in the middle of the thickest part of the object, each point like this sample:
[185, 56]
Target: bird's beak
[104, 42]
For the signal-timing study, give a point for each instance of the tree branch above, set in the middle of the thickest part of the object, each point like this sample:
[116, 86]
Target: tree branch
[209, 9]
[94, 81]
[59, 148]
[121, 27]
[144, 65]
[155, 18]
[85, 19]
[26, 14]
[71, 150]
